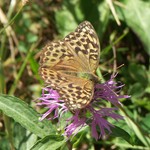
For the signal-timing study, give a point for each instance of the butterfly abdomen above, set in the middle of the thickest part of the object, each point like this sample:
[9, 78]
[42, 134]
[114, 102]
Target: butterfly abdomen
[83, 75]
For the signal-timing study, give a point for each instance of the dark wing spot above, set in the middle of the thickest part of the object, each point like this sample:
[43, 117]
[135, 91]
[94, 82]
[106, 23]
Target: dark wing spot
[70, 90]
[82, 39]
[53, 60]
[71, 43]
[48, 53]
[70, 85]
[55, 55]
[77, 49]
[78, 88]
[73, 94]
[62, 50]
[78, 43]
[78, 35]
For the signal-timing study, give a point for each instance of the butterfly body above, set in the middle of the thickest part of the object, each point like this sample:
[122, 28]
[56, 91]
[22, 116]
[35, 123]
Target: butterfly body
[69, 66]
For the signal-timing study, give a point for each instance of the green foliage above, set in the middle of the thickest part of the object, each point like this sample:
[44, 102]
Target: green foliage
[53, 142]
[24, 30]
[24, 114]
[136, 16]
[118, 132]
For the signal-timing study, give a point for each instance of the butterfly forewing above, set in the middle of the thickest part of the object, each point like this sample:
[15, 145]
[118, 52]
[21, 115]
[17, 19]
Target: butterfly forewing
[85, 44]
[62, 61]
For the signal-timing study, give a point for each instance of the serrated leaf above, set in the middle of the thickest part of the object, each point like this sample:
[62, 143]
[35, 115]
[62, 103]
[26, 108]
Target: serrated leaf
[118, 132]
[22, 113]
[51, 142]
[137, 130]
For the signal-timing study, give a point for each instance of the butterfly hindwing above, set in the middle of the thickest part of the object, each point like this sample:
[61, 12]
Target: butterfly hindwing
[76, 92]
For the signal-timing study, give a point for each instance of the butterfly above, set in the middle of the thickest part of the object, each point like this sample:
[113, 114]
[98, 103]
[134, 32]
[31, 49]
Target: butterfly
[69, 66]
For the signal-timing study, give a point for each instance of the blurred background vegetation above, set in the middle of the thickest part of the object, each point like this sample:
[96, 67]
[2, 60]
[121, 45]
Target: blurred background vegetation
[123, 28]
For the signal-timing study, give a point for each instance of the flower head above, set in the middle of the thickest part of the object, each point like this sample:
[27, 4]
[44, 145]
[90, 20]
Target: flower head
[51, 100]
[108, 91]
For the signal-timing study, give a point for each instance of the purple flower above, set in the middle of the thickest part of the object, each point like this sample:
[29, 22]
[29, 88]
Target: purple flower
[108, 91]
[76, 124]
[51, 100]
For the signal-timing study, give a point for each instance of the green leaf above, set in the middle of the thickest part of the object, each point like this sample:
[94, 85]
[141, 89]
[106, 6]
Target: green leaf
[69, 24]
[33, 64]
[146, 123]
[136, 15]
[22, 47]
[137, 130]
[62, 120]
[22, 113]
[136, 90]
[104, 16]
[65, 26]
[139, 73]
[22, 138]
[78, 11]
[118, 132]
[31, 38]
[49, 142]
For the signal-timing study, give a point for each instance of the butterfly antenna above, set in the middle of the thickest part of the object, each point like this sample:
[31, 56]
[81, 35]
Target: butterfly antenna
[116, 69]
[120, 66]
